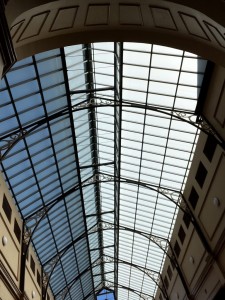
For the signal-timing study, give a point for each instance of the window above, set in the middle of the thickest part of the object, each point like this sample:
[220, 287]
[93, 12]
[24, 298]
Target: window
[186, 219]
[27, 255]
[210, 147]
[181, 234]
[166, 282]
[38, 278]
[177, 249]
[48, 297]
[172, 264]
[32, 264]
[7, 209]
[17, 230]
[193, 198]
[169, 272]
[201, 174]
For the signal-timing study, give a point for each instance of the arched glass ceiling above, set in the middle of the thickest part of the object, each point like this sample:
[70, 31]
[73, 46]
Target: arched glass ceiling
[99, 138]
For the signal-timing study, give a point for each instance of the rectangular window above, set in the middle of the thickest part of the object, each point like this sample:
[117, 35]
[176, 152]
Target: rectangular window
[32, 264]
[48, 297]
[201, 174]
[166, 282]
[181, 234]
[210, 147]
[38, 278]
[169, 272]
[186, 219]
[17, 230]
[7, 209]
[193, 198]
[177, 249]
[27, 256]
[172, 264]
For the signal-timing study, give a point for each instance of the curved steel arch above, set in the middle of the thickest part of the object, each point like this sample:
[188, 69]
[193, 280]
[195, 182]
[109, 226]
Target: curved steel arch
[184, 116]
[153, 275]
[13, 138]
[40, 214]
[150, 273]
[108, 285]
[158, 241]
[101, 226]
[144, 296]
[167, 249]
[106, 178]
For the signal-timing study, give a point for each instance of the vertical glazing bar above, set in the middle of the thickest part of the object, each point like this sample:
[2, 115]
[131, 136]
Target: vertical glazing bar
[118, 60]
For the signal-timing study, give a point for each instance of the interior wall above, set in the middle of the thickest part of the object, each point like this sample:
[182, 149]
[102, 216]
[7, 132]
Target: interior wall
[60, 23]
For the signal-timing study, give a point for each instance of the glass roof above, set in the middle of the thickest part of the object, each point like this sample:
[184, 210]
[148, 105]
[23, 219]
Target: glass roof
[93, 139]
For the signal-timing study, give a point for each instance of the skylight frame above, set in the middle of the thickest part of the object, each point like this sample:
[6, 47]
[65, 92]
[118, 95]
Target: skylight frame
[86, 70]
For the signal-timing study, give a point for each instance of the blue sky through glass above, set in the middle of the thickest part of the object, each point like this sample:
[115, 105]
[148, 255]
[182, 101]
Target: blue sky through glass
[105, 294]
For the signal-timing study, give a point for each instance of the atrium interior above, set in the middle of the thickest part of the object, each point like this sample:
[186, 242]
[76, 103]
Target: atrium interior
[112, 161]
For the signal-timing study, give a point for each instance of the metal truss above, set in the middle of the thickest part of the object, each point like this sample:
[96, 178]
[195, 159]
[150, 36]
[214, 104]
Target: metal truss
[144, 296]
[69, 104]
[8, 141]
[160, 242]
[36, 218]
[52, 263]
[93, 139]
[63, 292]
[153, 275]
[118, 81]
[171, 195]
[198, 122]
[163, 244]
[31, 223]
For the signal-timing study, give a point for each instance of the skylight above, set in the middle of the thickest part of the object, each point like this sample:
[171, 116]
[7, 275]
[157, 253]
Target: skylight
[103, 142]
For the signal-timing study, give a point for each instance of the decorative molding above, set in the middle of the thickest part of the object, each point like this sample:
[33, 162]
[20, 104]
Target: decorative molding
[15, 28]
[135, 14]
[163, 18]
[193, 26]
[7, 144]
[34, 26]
[112, 20]
[217, 34]
[97, 14]
[68, 15]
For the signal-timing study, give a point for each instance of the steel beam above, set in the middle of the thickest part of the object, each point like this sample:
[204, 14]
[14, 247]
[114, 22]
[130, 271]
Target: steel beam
[118, 82]
[106, 259]
[9, 140]
[93, 139]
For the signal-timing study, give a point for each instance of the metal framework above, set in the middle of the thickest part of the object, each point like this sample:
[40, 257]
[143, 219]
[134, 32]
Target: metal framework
[90, 162]
[203, 125]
